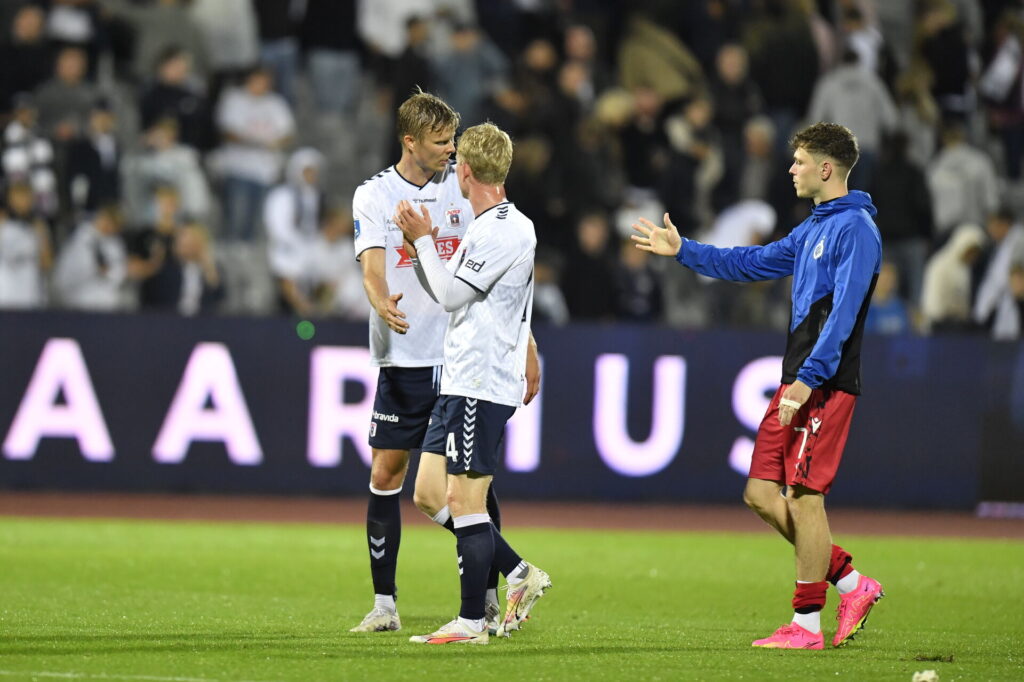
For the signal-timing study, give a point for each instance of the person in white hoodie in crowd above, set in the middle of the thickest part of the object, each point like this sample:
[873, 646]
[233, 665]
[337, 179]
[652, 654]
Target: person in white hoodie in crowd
[93, 266]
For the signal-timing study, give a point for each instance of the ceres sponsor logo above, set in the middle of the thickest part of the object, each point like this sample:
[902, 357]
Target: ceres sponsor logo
[385, 417]
[446, 248]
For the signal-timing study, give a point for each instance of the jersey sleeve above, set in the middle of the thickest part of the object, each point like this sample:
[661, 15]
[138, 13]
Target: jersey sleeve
[370, 232]
[486, 256]
[742, 263]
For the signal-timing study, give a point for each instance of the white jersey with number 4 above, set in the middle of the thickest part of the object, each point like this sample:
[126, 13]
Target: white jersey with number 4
[485, 345]
[373, 210]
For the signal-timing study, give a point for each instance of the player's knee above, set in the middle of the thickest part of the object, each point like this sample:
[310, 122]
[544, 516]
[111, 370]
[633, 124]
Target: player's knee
[428, 502]
[383, 479]
[758, 498]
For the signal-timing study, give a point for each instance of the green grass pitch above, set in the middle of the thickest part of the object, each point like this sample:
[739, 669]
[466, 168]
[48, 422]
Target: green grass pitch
[191, 602]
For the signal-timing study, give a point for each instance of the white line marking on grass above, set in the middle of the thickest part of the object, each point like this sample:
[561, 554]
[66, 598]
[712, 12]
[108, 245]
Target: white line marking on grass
[105, 676]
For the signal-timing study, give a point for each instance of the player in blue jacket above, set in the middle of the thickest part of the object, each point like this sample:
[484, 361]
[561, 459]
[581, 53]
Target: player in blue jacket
[834, 257]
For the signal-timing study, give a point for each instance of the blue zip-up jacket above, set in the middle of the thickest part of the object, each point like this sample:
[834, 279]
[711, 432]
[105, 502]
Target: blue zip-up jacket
[834, 256]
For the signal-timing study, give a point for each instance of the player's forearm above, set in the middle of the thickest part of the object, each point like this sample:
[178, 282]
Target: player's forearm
[450, 292]
[377, 292]
[422, 277]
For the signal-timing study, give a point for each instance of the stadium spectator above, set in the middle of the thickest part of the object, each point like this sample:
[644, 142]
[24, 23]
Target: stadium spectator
[863, 38]
[784, 64]
[636, 286]
[995, 306]
[257, 125]
[963, 183]
[412, 68]
[946, 290]
[904, 202]
[694, 164]
[580, 49]
[28, 156]
[161, 160]
[94, 162]
[919, 113]
[92, 266]
[26, 57]
[549, 304]
[157, 26]
[888, 312]
[151, 260]
[202, 287]
[328, 35]
[736, 100]
[855, 97]
[278, 22]
[76, 23]
[472, 70]
[25, 252]
[1001, 84]
[293, 214]
[64, 101]
[943, 45]
[588, 273]
[231, 43]
[821, 371]
[504, 239]
[337, 280]
[175, 93]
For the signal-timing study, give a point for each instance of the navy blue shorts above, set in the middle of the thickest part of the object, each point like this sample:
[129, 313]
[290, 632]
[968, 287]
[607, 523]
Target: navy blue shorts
[401, 409]
[468, 432]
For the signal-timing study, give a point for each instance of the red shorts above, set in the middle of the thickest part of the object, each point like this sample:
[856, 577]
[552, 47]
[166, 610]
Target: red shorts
[808, 451]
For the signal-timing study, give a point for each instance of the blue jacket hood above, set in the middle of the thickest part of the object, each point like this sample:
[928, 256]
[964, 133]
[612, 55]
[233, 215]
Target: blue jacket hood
[854, 200]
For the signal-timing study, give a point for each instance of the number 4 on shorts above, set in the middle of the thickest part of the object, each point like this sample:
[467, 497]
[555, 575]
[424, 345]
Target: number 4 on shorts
[450, 449]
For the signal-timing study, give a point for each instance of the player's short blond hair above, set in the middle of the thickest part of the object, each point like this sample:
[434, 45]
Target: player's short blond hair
[487, 150]
[423, 114]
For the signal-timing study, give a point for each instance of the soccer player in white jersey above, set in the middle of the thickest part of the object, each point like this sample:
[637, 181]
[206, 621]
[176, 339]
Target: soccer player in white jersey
[487, 286]
[407, 343]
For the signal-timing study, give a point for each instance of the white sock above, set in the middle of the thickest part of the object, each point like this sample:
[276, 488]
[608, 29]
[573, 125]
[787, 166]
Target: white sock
[492, 596]
[808, 621]
[441, 517]
[518, 574]
[849, 583]
[474, 625]
[385, 601]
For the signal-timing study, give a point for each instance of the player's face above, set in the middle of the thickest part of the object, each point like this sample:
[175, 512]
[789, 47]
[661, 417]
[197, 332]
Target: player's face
[806, 174]
[434, 149]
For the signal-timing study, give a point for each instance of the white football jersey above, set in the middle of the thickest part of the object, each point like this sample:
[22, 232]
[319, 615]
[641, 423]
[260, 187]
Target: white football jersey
[373, 210]
[485, 345]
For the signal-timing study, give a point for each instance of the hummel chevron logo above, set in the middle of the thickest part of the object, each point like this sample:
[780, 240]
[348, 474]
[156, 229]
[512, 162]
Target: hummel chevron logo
[377, 542]
[377, 555]
[815, 424]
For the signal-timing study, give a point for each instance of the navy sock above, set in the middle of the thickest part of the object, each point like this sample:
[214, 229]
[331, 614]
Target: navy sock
[505, 558]
[495, 513]
[384, 535]
[475, 545]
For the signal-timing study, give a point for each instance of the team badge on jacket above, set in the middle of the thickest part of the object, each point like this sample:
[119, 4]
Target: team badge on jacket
[819, 249]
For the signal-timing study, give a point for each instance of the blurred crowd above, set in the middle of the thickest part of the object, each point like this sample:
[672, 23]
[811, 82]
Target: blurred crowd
[199, 156]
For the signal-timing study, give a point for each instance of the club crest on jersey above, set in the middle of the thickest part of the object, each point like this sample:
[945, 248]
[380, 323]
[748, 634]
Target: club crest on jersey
[446, 248]
[819, 249]
[454, 216]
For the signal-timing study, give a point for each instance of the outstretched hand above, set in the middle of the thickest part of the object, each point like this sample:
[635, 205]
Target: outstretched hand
[394, 317]
[664, 241]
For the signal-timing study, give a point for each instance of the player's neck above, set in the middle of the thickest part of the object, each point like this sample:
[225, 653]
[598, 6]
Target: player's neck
[483, 197]
[830, 192]
[412, 172]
